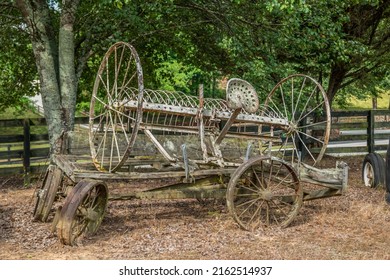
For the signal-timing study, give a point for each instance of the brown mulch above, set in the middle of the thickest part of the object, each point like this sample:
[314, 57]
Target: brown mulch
[353, 226]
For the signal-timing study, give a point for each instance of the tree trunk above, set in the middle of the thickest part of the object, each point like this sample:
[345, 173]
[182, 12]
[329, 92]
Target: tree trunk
[68, 80]
[374, 102]
[336, 78]
[55, 64]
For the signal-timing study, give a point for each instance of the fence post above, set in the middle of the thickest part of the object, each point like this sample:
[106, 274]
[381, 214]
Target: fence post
[26, 151]
[370, 131]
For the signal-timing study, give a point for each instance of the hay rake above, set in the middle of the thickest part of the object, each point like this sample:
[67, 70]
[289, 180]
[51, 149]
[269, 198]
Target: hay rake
[259, 156]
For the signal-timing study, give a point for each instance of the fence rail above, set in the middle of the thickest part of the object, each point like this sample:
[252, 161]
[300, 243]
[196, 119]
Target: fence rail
[23, 149]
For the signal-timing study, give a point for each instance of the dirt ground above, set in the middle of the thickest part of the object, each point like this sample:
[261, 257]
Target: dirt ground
[353, 226]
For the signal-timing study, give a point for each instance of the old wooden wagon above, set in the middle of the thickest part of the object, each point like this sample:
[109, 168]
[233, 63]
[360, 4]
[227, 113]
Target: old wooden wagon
[259, 156]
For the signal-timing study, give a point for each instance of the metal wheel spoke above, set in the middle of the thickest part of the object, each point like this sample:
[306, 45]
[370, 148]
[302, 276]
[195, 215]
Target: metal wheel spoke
[124, 85]
[312, 110]
[312, 124]
[258, 179]
[119, 69]
[246, 209]
[280, 208]
[307, 149]
[308, 135]
[284, 103]
[307, 103]
[255, 214]
[292, 99]
[282, 181]
[250, 181]
[299, 97]
[276, 107]
[114, 135]
[103, 83]
[277, 204]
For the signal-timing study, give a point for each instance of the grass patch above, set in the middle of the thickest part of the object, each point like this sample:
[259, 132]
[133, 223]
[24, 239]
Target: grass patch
[358, 104]
[19, 146]
[12, 113]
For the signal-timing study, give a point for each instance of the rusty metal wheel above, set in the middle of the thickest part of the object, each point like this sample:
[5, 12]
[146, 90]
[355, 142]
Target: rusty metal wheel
[83, 211]
[264, 192]
[113, 126]
[45, 196]
[301, 101]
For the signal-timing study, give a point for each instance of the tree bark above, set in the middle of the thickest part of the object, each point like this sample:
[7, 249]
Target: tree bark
[68, 79]
[336, 78]
[55, 64]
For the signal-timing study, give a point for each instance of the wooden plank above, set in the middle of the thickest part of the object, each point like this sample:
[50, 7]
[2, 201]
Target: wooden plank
[382, 112]
[11, 138]
[150, 175]
[39, 137]
[18, 154]
[349, 125]
[337, 150]
[349, 113]
[5, 171]
[11, 123]
[323, 193]
[83, 120]
[20, 138]
[350, 137]
[370, 131]
[11, 154]
[26, 146]
[382, 124]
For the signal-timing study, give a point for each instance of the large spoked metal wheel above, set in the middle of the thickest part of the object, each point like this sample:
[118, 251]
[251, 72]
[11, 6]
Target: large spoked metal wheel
[113, 126]
[264, 192]
[46, 195]
[301, 101]
[83, 211]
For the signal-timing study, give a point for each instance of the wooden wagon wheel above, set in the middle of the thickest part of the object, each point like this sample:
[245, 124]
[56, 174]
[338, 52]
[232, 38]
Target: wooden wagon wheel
[83, 211]
[301, 101]
[264, 191]
[113, 128]
[45, 196]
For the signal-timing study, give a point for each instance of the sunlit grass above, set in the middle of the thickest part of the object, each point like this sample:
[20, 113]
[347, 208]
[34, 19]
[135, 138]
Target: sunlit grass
[12, 113]
[383, 102]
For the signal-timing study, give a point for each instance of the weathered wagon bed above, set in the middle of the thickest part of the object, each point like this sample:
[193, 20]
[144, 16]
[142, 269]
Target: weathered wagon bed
[259, 156]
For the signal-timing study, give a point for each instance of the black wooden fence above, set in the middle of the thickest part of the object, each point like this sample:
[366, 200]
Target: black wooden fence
[24, 144]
